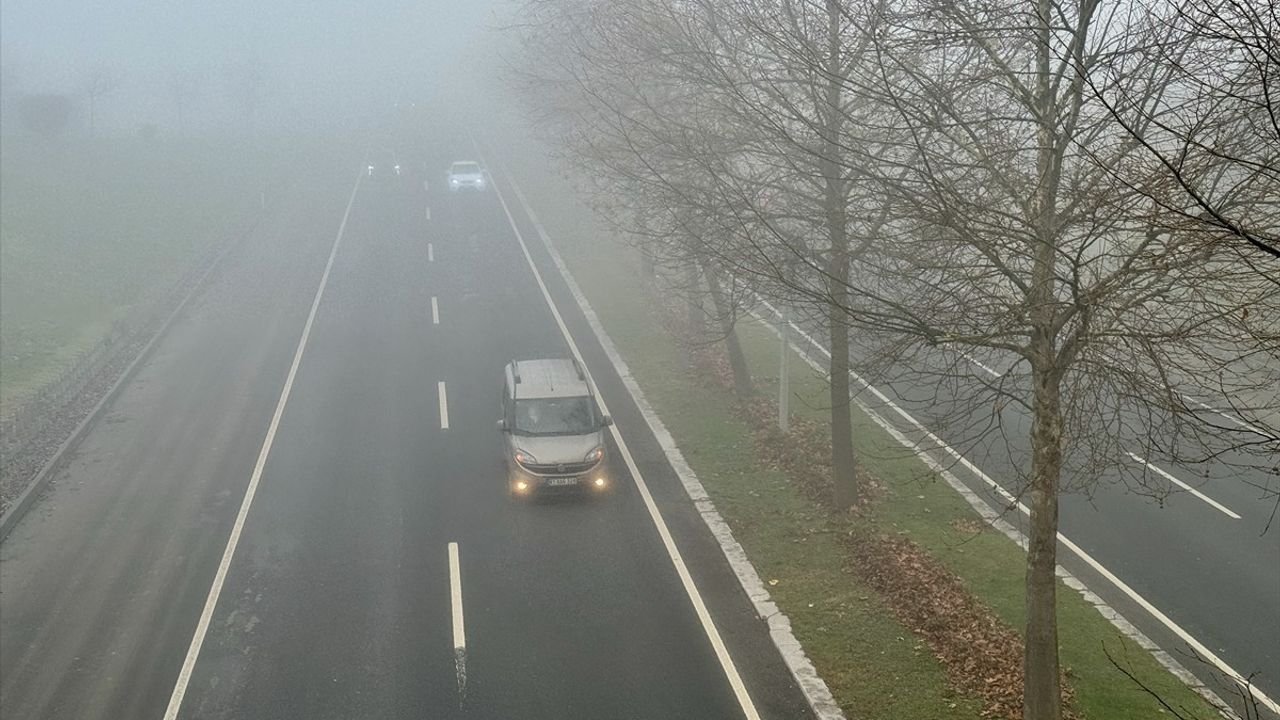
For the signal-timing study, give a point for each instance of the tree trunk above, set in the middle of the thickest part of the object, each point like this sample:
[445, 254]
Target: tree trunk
[742, 385]
[696, 313]
[1041, 693]
[843, 465]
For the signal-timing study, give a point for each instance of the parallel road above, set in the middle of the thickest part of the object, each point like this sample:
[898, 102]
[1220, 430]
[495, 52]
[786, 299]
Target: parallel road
[1206, 556]
[380, 570]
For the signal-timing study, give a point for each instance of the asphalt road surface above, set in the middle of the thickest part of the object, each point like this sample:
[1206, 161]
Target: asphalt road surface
[380, 570]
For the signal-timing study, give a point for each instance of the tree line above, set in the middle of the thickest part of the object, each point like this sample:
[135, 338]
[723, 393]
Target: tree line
[1087, 190]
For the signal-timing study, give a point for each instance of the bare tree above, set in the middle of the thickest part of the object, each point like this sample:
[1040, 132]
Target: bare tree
[1015, 234]
[1215, 131]
[98, 83]
[739, 113]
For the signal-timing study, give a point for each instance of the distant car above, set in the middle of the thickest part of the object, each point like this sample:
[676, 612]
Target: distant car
[467, 175]
[383, 166]
[552, 429]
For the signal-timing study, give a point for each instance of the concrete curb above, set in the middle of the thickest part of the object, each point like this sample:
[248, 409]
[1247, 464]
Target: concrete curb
[813, 687]
[27, 499]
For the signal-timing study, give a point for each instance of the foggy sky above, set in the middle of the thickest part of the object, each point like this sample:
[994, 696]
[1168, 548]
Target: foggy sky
[329, 57]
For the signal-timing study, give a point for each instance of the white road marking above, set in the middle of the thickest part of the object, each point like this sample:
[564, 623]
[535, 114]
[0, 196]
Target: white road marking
[435, 311]
[1226, 416]
[1200, 649]
[1184, 486]
[426, 187]
[444, 405]
[455, 598]
[428, 212]
[977, 362]
[220, 577]
[459, 630]
[677, 560]
[431, 253]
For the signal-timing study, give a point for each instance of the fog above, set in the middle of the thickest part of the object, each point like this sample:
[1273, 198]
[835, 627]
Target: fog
[311, 61]
[645, 359]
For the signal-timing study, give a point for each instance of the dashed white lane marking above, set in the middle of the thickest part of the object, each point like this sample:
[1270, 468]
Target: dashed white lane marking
[443, 393]
[1169, 476]
[431, 253]
[428, 212]
[455, 598]
[1226, 416]
[220, 577]
[979, 363]
[459, 628]
[435, 311]
[677, 560]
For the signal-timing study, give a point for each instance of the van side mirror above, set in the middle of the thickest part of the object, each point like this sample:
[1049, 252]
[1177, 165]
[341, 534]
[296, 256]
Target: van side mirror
[607, 420]
[502, 424]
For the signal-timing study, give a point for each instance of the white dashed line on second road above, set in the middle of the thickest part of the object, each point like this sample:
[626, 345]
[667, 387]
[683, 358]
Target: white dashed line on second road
[444, 405]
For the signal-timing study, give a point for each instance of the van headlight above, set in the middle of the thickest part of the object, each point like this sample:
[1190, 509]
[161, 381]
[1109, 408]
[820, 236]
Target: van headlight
[524, 458]
[595, 455]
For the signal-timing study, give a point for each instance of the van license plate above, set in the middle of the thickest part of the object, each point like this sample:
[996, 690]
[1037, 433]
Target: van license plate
[563, 481]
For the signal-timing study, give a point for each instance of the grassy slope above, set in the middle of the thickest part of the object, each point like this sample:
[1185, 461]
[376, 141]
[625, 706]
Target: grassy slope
[875, 667]
[87, 229]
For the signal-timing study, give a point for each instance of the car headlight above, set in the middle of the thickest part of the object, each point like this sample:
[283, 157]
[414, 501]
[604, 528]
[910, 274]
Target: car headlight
[524, 458]
[595, 455]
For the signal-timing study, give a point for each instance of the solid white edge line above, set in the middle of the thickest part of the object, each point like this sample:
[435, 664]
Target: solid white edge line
[1169, 476]
[443, 394]
[989, 513]
[435, 311]
[224, 565]
[686, 579]
[455, 598]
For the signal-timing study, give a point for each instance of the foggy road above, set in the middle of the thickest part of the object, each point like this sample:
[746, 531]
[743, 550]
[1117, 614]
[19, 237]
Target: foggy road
[380, 569]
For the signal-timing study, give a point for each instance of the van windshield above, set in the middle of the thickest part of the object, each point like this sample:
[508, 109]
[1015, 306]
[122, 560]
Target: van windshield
[555, 416]
[466, 169]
